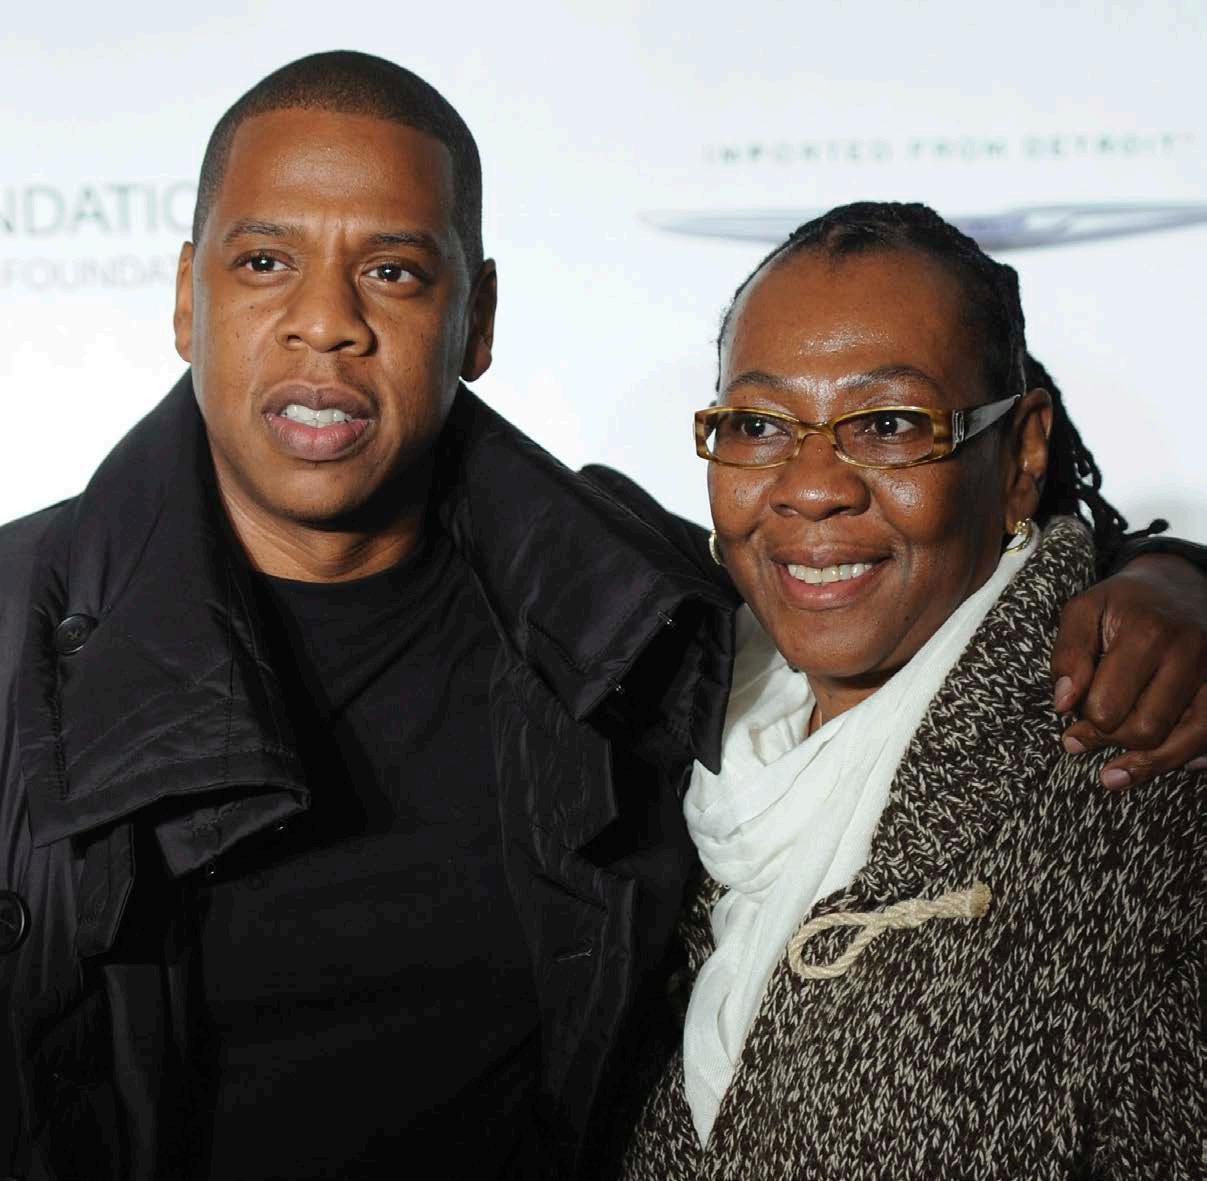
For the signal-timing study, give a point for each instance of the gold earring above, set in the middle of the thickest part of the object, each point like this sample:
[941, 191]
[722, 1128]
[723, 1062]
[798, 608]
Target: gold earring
[712, 548]
[1022, 535]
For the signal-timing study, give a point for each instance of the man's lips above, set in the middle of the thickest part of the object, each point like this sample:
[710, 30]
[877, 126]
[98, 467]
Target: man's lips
[347, 399]
[317, 422]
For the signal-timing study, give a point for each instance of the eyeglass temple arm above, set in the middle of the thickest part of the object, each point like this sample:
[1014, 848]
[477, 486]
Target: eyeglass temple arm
[966, 423]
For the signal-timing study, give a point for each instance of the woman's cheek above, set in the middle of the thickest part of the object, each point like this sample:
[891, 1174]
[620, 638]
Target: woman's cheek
[924, 503]
[735, 500]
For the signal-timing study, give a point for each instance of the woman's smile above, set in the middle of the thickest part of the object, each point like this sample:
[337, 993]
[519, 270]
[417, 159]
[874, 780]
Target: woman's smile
[819, 588]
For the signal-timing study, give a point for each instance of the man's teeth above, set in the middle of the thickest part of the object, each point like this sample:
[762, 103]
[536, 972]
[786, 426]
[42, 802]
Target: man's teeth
[820, 574]
[310, 417]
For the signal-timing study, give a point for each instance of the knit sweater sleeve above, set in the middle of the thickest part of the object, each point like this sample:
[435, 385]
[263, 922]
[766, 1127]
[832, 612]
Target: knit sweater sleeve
[1153, 1125]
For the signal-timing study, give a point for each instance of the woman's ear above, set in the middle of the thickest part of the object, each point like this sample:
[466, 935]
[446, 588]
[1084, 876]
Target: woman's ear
[1027, 463]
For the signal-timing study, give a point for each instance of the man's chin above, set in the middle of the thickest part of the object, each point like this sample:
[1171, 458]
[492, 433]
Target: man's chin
[337, 515]
[323, 498]
[377, 509]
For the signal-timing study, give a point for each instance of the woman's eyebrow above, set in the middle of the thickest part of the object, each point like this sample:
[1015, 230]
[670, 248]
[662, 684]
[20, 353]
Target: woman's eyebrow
[850, 381]
[760, 377]
[883, 373]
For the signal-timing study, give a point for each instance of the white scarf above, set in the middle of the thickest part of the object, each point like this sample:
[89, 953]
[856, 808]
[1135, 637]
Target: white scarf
[789, 820]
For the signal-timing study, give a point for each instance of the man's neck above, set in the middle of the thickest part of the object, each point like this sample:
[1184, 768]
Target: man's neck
[306, 553]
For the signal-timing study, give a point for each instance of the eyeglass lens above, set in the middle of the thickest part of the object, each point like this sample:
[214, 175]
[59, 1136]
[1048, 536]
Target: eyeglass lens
[881, 437]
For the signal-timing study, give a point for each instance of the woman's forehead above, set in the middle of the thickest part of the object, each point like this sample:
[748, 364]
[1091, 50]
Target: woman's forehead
[811, 318]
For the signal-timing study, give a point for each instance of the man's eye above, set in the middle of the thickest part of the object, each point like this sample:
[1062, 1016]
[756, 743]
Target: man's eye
[392, 272]
[262, 264]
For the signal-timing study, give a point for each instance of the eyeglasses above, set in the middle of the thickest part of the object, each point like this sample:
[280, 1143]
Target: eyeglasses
[879, 437]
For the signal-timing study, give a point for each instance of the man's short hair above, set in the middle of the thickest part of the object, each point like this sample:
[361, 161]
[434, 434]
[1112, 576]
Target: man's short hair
[350, 83]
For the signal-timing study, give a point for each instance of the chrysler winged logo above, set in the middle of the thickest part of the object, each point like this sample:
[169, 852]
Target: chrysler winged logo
[1025, 228]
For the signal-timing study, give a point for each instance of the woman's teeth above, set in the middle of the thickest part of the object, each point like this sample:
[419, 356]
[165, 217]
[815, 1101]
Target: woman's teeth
[304, 414]
[819, 574]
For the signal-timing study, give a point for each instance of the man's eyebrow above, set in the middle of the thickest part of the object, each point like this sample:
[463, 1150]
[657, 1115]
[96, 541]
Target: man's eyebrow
[249, 227]
[419, 238]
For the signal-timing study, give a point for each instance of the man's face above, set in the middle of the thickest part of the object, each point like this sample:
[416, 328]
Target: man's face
[327, 313]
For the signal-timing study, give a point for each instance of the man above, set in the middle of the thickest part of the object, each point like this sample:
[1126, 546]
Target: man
[345, 730]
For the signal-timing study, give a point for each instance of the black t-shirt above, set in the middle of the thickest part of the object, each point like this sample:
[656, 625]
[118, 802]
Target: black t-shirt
[368, 984]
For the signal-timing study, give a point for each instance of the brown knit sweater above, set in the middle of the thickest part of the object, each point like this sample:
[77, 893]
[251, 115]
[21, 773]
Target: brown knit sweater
[1057, 1036]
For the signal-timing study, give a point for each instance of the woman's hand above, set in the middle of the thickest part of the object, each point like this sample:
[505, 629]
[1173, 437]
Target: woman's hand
[1131, 657]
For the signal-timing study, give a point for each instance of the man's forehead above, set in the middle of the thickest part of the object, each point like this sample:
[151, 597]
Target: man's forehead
[320, 130]
[302, 156]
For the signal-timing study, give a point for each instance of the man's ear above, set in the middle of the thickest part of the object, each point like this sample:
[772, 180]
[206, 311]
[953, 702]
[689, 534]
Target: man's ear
[182, 317]
[481, 335]
[1030, 425]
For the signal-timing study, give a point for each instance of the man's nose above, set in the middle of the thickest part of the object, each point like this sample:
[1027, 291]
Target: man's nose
[325, 313]
[817, 484]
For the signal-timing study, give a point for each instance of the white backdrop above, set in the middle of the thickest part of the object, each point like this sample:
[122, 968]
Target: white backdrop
[600, 127]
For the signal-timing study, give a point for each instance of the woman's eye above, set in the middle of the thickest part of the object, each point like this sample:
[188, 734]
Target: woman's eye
[885, 429]
[886, 426]
[890, 425]
[755, 426]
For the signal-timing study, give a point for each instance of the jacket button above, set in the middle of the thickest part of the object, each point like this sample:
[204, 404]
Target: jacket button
[71, 635]
[14, 921]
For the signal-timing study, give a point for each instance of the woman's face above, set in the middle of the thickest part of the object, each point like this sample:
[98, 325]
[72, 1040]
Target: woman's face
[817, 338]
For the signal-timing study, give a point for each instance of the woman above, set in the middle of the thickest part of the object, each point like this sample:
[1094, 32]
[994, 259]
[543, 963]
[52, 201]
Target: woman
[929, 946]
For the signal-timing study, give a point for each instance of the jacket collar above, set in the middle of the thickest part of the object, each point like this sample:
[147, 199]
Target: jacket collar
[580, 582]
[171, 705]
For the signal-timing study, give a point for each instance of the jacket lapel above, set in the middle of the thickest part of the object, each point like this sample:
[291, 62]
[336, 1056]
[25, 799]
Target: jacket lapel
[168, 702]
[582, 587]
[617, 651]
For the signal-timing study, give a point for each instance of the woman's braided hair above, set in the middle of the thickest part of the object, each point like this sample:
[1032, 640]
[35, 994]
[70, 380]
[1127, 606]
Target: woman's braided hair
[1072, 482]
[1072, 478]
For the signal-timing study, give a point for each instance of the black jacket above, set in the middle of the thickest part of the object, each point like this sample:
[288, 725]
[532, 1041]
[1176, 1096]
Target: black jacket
[143, 736]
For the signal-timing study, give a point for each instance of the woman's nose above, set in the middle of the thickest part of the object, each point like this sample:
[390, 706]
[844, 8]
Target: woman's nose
[817, 484]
